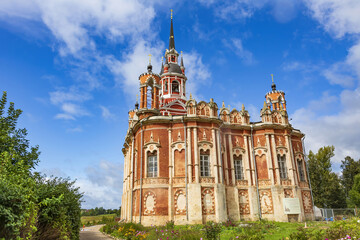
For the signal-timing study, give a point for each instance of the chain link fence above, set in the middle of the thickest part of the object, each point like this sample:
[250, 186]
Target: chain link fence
[334, 214]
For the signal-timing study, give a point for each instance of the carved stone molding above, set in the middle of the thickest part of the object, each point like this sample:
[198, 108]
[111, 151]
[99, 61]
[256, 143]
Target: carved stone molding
[307, 203]
[207, 180]
[149, 203]
[208, 201]
[241, 182]
[244, 202]
[180, 202]
[266, 201]
[266, 182]
[288, 193]
[286, 182]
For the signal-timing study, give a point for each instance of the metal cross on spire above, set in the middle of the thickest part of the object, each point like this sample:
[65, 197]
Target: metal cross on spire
[149, 58]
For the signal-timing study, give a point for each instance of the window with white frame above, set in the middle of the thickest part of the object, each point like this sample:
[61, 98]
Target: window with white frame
[301, 170]
[239, 170]
[175, 87]
[205, 165]
[152, 165]
[282, 166]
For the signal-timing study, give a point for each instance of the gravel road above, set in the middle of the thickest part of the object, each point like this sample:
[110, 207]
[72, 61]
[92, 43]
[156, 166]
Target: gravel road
[93, 233]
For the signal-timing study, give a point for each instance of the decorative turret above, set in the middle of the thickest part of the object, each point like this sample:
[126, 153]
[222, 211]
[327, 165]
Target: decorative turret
[274, 110]
[275, 98]
[149, 93]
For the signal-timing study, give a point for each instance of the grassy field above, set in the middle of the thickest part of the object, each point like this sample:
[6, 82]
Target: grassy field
[91, 220]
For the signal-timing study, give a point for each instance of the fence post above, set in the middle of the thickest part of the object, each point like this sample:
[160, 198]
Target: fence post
[332, 210]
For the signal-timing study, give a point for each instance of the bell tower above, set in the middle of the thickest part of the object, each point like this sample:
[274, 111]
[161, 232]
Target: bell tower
[173, 80]
[274, 110]
[275, 99]
[149, 92]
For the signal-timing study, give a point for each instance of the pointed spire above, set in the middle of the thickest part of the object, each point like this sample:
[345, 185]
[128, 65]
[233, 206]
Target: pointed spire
[149, 67]
[273, 85]
[162, 65]
[243, 108]
[171, 38]
[182, 61]
[264, 107]
[137, 104]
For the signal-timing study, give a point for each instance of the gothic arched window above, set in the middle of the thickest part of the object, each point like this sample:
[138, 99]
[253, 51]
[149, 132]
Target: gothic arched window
[238, 165]
[175, 86]
[204, 164]
[282, 166]
[301, 170]
[152, 165]
[165, 86]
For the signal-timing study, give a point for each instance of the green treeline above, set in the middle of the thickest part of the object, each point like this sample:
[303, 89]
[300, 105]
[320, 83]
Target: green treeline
[32, 206]
[99, 211]
[329, 189]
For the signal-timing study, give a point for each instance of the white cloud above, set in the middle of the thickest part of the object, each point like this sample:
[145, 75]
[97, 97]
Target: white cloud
[74, 23]
[196, 72]
[239, 9]
[102, 185]
[338, 17]
[284, 10]
[74, 94]
[236, 45]
[134, 63]
[105, 113]
[340, 129]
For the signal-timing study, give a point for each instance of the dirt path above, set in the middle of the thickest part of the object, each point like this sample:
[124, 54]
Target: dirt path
[92, 233]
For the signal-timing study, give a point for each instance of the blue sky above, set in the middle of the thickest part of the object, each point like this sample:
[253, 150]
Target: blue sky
[73, 67]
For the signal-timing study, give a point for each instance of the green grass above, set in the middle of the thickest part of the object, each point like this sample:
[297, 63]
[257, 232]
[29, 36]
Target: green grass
[95, 219]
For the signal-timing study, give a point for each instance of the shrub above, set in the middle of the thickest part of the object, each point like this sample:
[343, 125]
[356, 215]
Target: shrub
[170, 225]
[212, 230]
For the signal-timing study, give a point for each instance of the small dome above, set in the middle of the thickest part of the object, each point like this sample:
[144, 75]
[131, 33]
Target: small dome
[174, 68]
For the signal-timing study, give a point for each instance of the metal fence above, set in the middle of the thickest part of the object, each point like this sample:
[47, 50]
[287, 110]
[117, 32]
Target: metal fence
[334, 214]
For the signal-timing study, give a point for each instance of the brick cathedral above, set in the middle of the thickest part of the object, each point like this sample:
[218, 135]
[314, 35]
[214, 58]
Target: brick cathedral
[193, 162]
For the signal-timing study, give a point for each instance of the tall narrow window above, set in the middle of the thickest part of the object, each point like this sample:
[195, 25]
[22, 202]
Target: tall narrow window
[152, 165]
[165, 86]
[239, 170]
[282, 166]
[149, 96]
[205, 165]
[301, 171]
[175, 87]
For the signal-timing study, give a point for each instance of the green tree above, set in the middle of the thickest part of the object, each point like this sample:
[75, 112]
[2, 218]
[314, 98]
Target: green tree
[31, 206]
[13, 139]
[354, 193]
[18, 209]
[326, 187]
[350, 168]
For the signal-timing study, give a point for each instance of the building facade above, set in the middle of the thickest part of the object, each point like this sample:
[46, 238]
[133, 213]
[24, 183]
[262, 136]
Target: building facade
[193, 162]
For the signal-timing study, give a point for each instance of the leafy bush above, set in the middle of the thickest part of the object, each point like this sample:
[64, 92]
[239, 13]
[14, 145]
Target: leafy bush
[170, 225]
[212, 230]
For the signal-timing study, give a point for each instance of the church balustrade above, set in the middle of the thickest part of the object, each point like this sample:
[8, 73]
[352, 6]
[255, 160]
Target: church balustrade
[207, 180]
[160, 180]
[286, 182]
[177, 180]
[303, 184]
[241, 182]
[265, 182]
